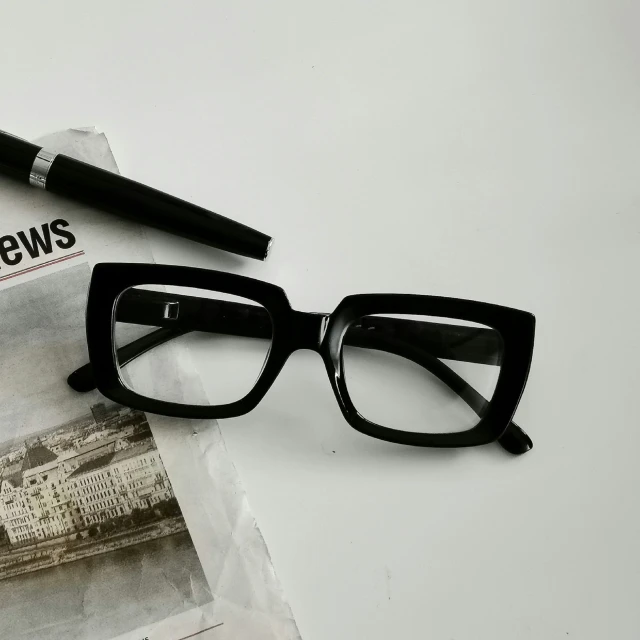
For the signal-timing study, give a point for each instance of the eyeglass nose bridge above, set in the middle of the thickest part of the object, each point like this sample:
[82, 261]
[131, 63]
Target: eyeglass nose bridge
[309, 331]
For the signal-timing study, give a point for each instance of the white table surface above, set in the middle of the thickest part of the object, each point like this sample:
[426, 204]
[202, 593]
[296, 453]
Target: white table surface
[486, 150]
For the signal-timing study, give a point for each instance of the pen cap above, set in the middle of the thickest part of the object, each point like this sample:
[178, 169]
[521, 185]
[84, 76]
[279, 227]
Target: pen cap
[143, 204]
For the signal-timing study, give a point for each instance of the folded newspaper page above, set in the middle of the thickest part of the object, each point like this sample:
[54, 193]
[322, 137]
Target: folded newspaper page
[113, 523]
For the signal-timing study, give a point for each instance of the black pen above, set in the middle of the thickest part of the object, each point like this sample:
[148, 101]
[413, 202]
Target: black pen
[102, 189]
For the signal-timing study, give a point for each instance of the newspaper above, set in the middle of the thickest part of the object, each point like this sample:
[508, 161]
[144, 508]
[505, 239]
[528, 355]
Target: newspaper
[113, 523]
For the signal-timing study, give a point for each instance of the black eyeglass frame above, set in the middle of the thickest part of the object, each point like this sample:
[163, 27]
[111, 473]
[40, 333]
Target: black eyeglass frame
[324, 333]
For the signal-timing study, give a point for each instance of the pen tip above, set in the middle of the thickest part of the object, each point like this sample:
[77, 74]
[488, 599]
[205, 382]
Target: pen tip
[266, 253]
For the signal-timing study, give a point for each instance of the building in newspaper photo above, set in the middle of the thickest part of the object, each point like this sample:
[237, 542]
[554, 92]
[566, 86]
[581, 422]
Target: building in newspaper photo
[85, 487]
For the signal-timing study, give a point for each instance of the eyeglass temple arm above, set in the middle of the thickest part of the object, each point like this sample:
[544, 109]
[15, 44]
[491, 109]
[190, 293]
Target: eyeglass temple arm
[178, 315]
[82, 378]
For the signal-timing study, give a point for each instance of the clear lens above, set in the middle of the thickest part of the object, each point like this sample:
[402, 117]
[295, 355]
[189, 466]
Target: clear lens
[232, 335]
[421, 373]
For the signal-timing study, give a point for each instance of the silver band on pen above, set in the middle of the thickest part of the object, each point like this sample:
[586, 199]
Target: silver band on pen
[40, 169]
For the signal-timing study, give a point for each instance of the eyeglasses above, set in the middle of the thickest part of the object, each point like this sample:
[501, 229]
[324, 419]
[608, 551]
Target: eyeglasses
[411, 369]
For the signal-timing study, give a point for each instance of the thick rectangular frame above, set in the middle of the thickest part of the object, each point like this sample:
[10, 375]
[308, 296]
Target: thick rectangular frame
[323, 333]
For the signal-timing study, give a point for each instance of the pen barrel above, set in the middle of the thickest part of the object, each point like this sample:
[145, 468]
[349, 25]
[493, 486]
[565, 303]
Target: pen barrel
[16, 156]
[127, 198]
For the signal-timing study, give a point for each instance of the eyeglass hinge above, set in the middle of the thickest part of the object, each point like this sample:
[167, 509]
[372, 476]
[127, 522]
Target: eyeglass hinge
[171, 310]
